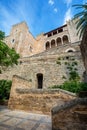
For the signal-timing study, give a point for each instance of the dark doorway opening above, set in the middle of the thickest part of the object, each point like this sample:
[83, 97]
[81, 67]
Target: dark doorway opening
[40, 81]
[70, 50]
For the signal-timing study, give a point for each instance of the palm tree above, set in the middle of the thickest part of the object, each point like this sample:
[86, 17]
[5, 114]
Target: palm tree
[82, 30]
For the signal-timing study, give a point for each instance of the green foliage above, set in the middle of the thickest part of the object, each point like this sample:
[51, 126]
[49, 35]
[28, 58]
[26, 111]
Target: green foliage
[7, 56]
[74, 75]
[72, 86]
[63, 77]
[54, 87]
[30, 80]
[2, 35]
[0, 71]
[63, 58]
[5, 86]
[82, 21]
[69, 68]
[74, 63]
[66, 63]
[73, 59]
[75, 69]
[58, 62]
[59, 58]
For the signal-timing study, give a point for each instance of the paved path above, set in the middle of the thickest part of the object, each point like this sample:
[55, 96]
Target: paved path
[19, 120]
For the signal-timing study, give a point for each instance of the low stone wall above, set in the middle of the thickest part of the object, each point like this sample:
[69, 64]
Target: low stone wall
[70, 116]
[24, 97]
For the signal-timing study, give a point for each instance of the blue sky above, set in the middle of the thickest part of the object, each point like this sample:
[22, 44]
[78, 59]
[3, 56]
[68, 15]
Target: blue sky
[40, 15]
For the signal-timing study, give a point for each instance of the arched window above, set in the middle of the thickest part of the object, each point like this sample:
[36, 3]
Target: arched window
[52, 43]
[47, 45]
[58, 40]
[65, 39]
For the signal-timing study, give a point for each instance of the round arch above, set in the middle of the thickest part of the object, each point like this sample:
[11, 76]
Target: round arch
[58, 41]
[65, 39]
[70, 50]
[47, 45]
[52, 43]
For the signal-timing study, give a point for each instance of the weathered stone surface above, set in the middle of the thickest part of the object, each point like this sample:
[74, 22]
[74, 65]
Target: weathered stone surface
[26, 45]
[45, 63]
[42, 61]
[71, 115]
[20, 120]
[37, 100]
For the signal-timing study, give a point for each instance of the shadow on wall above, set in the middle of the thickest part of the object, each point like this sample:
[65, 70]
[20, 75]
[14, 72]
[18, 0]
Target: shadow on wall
[71, 115]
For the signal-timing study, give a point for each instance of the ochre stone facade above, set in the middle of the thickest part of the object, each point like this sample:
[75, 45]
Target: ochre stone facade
[26, 45]
[45, 64]
[23, 97]
[39, 61]
[21, 39]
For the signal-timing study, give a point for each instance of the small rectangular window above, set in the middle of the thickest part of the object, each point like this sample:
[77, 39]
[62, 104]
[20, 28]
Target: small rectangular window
[60, 30]
[55, 32]
[49, 34]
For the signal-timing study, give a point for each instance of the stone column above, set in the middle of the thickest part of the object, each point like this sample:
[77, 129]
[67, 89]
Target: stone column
[62, 41]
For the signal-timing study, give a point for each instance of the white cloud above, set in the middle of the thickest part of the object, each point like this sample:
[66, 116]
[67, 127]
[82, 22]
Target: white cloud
[51, 2]
[55, 10]
[68, 2]
[68, 15]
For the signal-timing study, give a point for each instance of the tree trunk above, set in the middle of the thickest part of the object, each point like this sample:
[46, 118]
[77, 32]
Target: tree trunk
[83, 48]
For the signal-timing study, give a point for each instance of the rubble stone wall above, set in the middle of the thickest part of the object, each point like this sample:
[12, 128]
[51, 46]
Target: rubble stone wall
[23, 97]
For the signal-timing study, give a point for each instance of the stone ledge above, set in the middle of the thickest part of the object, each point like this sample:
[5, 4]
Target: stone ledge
[23, 91]
[70, 104]
[21, 78]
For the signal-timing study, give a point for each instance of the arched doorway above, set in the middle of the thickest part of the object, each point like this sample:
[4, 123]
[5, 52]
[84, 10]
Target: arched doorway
[39, 81]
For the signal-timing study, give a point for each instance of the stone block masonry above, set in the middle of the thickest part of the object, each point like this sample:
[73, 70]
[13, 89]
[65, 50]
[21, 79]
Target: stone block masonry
[22, 97]
[45, 65]
[26, 45]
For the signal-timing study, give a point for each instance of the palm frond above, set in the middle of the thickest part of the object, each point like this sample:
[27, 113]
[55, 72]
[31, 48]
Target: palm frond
[83, 30]
[81, 23]
[80, 6]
